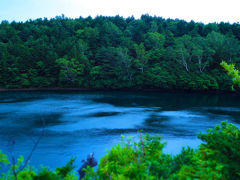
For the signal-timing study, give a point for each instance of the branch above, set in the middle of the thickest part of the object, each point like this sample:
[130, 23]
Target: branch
[31, 152]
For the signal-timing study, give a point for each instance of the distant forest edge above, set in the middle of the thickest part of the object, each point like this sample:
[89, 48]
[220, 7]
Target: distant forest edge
[117, 53]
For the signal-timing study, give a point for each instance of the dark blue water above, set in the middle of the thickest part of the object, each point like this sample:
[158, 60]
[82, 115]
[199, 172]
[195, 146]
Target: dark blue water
[77, 123]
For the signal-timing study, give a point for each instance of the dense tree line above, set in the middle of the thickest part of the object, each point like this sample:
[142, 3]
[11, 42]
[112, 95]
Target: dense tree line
[116, 52]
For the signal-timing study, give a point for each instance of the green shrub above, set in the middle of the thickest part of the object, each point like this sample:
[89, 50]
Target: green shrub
[223, 145]
[218, 157]
[29, 173]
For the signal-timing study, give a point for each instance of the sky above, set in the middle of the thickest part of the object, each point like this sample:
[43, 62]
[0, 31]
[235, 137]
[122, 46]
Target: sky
[205, 11]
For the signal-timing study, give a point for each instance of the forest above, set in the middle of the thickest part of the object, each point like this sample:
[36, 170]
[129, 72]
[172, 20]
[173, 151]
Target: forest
[117, 53]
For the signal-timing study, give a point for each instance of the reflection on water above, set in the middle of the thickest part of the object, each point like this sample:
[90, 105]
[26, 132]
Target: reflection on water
[77, 123]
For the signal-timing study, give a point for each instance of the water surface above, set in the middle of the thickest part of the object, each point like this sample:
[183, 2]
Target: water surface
[77, 123]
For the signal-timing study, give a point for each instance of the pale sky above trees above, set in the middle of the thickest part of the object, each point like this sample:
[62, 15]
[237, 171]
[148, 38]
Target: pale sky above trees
[198, 10]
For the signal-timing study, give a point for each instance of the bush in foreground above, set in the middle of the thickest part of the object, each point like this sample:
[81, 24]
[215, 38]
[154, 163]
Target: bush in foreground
[218, 157]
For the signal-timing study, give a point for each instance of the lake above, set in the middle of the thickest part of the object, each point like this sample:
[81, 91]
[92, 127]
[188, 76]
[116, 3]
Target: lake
[76, 123]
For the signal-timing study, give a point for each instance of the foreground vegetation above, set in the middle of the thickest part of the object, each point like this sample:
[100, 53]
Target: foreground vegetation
[117, 52]
[217, 157]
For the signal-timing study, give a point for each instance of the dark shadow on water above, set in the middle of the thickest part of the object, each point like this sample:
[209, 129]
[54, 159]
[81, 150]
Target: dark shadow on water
[40, 120]
[46, 120]
[17, 97]
[4, 115]
[235, 115]
[155, 121]
[18, 100]
[81, 134]
[167, 101]
[103, 114]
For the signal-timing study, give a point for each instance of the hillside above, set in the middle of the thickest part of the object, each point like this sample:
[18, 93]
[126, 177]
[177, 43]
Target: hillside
[117, 53]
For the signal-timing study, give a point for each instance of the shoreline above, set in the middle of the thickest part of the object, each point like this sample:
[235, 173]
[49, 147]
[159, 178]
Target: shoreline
[107, 89]
[43, 89]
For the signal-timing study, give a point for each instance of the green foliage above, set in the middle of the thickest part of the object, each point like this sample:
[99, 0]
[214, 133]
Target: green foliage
[142, 58]
[114, 52]
[223, 145]
[217, 158]
[70, 71]
[129, 160]
[65, 170]
[232, 72]
[29, 173]
[3, 159]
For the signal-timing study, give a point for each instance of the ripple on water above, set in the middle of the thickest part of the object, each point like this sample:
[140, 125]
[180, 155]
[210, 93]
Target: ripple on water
[77, 123]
